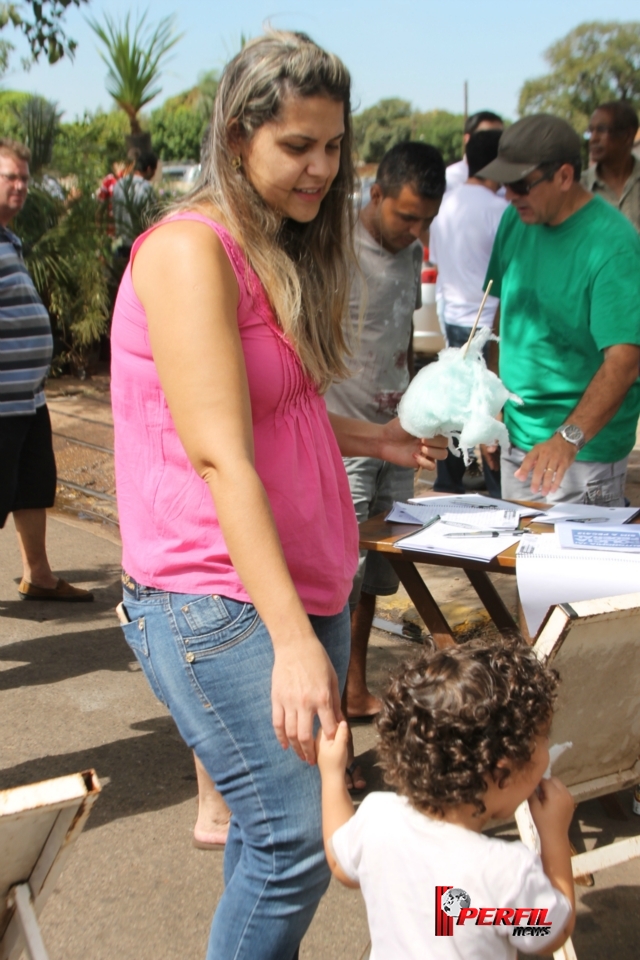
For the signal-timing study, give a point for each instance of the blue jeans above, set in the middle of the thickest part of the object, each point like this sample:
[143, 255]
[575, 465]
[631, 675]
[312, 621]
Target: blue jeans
[209, 659]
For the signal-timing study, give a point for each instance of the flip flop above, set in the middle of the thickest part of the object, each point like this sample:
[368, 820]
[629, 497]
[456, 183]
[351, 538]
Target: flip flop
[206, 845]
[350, 770]
[363, 718]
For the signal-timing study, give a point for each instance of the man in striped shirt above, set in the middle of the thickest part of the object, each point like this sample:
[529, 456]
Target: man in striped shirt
[27, 463]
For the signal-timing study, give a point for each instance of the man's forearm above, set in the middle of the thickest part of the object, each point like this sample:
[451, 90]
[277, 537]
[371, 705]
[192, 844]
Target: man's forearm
[356, 438]
[605, 394]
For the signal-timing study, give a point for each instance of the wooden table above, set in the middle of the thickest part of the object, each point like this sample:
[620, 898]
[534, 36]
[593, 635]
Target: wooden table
[376, 534]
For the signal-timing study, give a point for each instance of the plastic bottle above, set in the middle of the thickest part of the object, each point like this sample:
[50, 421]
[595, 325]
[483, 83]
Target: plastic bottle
[427, 337]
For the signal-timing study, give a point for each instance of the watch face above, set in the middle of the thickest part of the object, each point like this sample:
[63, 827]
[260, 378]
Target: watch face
[574, 434]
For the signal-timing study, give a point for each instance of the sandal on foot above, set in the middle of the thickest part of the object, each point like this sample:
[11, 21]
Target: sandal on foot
[61, 591]
[351, 772]
[205, 841]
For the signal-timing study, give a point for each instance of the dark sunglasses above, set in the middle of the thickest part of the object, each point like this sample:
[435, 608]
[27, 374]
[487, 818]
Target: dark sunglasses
[523, 188]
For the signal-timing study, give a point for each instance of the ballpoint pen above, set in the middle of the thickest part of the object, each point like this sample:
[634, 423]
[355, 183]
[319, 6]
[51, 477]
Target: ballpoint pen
[587, 520]
[428, 523]
[487, 533]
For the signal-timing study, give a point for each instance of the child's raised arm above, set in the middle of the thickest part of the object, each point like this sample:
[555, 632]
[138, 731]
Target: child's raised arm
[337, 807]
[552, 809]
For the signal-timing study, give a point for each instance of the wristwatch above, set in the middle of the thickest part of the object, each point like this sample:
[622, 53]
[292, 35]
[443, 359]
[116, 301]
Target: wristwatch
[572, 434]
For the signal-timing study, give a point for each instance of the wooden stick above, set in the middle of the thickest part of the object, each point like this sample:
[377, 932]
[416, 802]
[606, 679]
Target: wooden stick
[474, 327]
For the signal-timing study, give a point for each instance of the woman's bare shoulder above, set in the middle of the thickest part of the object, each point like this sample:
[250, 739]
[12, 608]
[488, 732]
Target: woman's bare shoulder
[181, 250]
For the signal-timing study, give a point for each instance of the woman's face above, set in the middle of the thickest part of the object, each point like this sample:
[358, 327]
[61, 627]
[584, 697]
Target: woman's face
[292, 161]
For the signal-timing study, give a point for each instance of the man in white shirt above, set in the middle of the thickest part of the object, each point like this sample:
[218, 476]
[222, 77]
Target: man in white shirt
[460, 244]
[458, 173]
[404, 200]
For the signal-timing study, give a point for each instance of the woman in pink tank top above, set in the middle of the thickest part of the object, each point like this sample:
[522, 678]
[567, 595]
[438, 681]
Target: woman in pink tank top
[239, 536]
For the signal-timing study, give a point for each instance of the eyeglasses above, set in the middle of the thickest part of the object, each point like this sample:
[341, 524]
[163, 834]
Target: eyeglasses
[601, 128]
[522, 188]
[16, 178]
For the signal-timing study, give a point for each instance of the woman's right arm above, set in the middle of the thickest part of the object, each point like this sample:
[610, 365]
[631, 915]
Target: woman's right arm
[189, 291]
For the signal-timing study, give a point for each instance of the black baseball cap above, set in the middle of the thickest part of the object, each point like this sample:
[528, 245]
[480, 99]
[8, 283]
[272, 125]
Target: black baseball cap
[528, 144]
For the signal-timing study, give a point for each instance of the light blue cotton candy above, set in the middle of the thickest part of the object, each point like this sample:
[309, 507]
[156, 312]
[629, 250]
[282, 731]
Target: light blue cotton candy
[457, 395]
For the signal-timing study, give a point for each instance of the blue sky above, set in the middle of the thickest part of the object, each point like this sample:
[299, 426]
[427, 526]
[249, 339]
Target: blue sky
[421, 50]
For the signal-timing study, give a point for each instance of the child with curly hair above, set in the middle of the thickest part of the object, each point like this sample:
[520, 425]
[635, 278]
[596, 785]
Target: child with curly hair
[464, 739]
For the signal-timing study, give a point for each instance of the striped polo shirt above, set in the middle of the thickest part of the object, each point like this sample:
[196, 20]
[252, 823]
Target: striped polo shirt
[26, 342]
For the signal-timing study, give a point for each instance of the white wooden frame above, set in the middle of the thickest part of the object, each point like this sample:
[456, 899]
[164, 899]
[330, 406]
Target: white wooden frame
[39, 824]
[595, 646]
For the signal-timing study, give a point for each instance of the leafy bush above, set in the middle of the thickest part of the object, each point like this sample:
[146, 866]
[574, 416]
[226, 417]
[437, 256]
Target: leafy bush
[393, 121]
[176, 133]
[66, 247]
[11, 103]
[381, 127]
[442, 129]
[177, 127]
[89, 147]
[66, 254]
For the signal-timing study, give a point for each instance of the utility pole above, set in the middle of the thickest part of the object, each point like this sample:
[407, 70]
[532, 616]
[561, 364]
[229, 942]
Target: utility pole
[466, 100]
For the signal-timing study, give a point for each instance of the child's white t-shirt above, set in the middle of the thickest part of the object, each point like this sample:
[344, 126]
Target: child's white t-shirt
[400, 856]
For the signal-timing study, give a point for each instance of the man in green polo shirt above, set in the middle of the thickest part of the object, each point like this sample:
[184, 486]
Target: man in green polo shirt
[566, 267]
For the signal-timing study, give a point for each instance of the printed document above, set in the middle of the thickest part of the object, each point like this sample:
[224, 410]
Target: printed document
[549, 573]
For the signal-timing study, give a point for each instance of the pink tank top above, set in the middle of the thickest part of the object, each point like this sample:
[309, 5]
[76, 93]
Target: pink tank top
[170, 533]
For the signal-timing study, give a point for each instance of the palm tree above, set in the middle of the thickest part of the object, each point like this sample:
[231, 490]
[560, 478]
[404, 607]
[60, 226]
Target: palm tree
[40, 121]
[133, 57]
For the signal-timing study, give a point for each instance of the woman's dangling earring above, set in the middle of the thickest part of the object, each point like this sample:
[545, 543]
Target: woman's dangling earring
[236, 162]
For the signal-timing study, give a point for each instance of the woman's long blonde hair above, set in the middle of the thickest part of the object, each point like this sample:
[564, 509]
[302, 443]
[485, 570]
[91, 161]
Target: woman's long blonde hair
[304, 267]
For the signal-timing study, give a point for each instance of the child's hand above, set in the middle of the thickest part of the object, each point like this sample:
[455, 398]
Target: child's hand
[332, 754]
[552, 807]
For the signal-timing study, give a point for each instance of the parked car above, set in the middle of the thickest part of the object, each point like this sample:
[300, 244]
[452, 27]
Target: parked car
[179, 177]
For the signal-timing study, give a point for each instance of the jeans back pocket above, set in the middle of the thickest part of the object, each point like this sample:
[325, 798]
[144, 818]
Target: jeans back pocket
[209, 624]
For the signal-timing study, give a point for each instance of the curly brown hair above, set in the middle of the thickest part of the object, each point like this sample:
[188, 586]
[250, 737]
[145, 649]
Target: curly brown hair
[450, 717]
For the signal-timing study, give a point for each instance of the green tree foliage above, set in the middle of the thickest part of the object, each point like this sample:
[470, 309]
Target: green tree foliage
[442, 129]
[40, 122]
[594, 63]
[65, 253]
[176, 134]
[380, 127]
[42, 26]
[178, 125]
[90, 146]
[133, 56]
[11, 104]
[66, 249]
[393, 121]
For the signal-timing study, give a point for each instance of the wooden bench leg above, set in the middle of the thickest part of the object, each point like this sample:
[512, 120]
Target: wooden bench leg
[423, 601]
[493, 602]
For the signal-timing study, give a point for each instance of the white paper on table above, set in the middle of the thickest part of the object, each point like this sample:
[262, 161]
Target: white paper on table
[434, 539]
[482, 520]
[468, 513]
[426, 508]
[584, 511]
[548, 574]
[476, 501]
[597, 536]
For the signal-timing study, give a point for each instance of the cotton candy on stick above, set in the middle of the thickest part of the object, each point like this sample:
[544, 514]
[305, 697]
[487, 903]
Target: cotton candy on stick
[458, 396]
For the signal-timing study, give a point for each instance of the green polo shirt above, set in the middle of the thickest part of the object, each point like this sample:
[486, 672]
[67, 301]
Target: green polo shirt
[566, 293]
